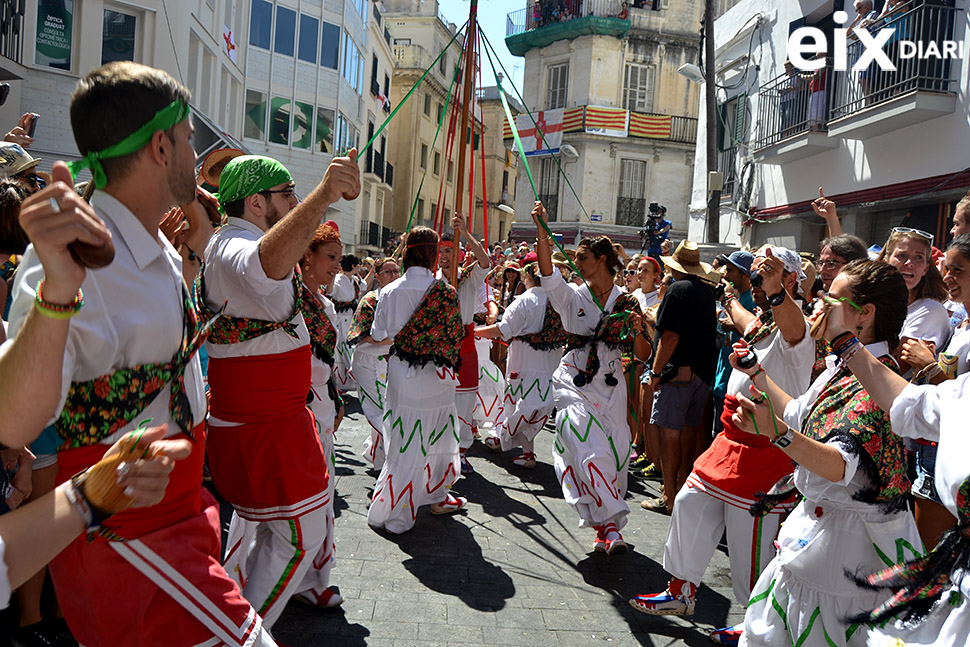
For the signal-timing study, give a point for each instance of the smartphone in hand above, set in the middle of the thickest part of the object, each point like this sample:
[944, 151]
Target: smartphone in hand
[33, 124]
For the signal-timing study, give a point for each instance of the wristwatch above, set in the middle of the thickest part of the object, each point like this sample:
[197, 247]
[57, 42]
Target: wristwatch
[785, 439]
[777, 299]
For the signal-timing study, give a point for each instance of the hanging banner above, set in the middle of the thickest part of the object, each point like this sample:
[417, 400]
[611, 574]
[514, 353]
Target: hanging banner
[549, 123]
[229, 42]
[651, 126]
[55, 31]
[612, 122]
[572, 119]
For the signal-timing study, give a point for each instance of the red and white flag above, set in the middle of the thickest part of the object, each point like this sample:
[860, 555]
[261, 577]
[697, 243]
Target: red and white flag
[549, 123]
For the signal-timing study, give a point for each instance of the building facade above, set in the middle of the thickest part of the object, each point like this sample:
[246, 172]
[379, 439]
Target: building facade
[602, 74]
[297, 80]
[888, 146]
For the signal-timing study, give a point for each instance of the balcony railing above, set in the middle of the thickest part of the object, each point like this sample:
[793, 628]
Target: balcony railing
[370, 233]
[920, 28]
[12, 30]
[793, 103]
[412, 56]
[631, 211]
[540, 14]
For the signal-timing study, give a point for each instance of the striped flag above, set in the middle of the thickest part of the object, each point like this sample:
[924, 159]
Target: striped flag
[572, 119]
[652, 126]
[607, 121]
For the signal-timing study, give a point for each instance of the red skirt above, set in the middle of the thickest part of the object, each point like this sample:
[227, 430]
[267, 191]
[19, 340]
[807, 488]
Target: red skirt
[166, 585]
[468, 370]
[271, 465]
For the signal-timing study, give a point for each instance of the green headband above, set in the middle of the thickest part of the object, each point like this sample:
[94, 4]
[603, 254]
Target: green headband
[173, 113]
[247, 175]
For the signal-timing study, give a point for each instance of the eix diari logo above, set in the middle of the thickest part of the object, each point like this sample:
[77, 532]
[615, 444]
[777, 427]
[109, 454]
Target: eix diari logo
[812, 40]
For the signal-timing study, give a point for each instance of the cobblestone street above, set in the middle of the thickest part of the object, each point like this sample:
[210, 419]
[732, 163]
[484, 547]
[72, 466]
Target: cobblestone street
[513, 569]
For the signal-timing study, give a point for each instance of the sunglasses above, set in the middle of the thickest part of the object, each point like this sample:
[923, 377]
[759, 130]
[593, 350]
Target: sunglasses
[34, 180]
[630, 272]
[287, 193]
[919, 232]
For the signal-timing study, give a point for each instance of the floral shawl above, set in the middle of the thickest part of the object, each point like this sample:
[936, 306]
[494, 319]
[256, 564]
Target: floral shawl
[552, 336]
[434, 333]
[98, 408]
[323, 336]
[363, 318]
[234, 330]
[761, 327]
[613, 331]
[845, 411]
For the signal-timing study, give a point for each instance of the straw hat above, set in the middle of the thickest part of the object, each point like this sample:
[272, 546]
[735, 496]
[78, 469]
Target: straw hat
[214, 163]
[687, 259]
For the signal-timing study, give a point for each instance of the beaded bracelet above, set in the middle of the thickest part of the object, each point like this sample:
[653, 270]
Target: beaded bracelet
[57, 310]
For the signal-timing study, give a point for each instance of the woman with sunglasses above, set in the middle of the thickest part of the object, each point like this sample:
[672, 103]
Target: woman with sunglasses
[911, 252]
[630, 282]
[851, 473]
[369, 363]
[927, 324]
[932, 517]
[592, 448]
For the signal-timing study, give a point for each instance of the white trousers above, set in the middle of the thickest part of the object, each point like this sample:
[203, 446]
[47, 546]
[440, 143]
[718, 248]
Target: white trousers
[696, 526]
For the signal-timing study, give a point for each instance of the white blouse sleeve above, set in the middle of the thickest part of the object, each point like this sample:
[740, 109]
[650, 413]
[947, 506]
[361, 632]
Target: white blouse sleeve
[4, 578]
[579, 316]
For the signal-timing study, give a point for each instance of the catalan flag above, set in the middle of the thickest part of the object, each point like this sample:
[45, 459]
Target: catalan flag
[606, 121]
[572, 119]
[506, 129]
[652, 126]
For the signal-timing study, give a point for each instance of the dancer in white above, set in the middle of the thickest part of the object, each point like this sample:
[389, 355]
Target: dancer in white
[420, 314]
[591, 453]
[345, 294]
[536, 339]
[369, 365]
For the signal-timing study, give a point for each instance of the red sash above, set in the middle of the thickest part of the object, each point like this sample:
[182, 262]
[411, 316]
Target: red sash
[273, 458]
[468, 370]
[183, 496]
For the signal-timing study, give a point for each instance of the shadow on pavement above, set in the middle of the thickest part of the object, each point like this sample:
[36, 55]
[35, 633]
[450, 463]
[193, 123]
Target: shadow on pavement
[445, 557]
[309, 627]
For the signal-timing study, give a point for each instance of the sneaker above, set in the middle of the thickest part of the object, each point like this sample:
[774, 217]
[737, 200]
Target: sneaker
[600, 544]
[493, 443]
[329, 599]
[651, 472]
[466, 467]
[39, 634]
[640, 462]
[476, 433]
[614, 540]
[450, 505]
[729, 636]
[527, 460]
[677, 600]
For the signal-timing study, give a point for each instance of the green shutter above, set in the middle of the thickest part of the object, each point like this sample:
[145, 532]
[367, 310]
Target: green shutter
[739, 112]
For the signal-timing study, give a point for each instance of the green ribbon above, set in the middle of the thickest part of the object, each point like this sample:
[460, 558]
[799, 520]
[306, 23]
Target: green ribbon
[174, 113]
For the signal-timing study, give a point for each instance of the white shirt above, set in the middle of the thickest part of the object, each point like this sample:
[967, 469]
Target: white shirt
[398, 301]
[959, 350]
[366, 347]
[927, 319]
[938, 413]
[646, 299]
[233, 271]
[132, 313]
[468, 293]
[525, 314]
[790, 367]
[343, 288]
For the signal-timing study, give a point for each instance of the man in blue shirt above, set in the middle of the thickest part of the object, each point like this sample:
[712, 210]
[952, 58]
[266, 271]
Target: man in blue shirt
[738, 275]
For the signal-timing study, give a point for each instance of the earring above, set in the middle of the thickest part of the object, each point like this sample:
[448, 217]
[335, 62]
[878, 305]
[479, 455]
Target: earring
[858, 330]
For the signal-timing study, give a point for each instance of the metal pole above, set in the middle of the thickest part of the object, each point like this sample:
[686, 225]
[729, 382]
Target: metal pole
[714, 197]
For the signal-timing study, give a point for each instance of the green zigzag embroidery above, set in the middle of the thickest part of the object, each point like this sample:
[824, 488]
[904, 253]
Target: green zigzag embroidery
[582, 438]
[433, 437]
[483, 371]
[515, 390]
[901, 544]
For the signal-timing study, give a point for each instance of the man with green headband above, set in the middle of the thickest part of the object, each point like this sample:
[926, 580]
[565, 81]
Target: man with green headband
[264, 453]
[128, 357]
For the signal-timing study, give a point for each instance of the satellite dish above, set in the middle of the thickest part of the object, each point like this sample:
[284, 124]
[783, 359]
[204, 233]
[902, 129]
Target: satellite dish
[691, 72]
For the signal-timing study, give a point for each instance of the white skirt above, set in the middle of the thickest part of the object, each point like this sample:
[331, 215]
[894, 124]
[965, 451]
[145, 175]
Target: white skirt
[489, 411]
[421, 436]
